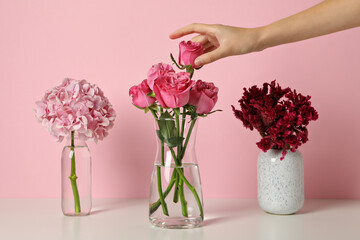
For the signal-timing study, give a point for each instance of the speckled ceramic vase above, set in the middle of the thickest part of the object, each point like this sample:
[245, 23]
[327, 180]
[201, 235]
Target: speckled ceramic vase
[280, 182]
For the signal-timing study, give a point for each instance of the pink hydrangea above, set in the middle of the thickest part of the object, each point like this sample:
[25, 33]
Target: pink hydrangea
[76, 105]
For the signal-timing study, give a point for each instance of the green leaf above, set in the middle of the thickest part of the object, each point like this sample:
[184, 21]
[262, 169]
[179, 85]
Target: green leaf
[154, 107]
[159, 135]
[167, 125]
[217, 110]
[205, 115]
[167, 131]
[151, 94]
[189, 68]
[165, 115]
[174, 141]
[177, 111]
[146, 109]
[191, 110]
[138, 107]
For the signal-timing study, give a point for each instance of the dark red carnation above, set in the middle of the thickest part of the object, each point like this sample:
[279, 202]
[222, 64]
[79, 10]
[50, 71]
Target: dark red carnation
[280, 116]
[265, 144]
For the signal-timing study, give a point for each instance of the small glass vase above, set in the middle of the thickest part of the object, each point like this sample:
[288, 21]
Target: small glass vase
[176, 195]
[76, 177]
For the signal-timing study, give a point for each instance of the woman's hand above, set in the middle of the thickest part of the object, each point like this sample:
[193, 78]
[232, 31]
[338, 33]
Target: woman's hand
[221, 41]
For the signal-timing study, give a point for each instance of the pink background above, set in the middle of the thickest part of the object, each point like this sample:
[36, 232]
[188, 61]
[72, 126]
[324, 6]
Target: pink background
[113, 44]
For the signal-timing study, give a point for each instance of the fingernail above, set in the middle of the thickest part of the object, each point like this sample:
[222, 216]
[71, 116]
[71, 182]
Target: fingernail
[198, 62]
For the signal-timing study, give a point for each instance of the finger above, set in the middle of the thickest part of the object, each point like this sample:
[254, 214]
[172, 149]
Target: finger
[192, 28]
[209, 57]
[207, 46]
[202, 39]
[210, 48]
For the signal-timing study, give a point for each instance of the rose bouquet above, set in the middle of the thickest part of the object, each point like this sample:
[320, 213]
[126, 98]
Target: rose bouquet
[78, 109]
[279, 115]
[171, 97]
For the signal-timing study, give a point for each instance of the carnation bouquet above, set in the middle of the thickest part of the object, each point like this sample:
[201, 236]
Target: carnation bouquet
[171, 97]
[280, 116]
[75, 108]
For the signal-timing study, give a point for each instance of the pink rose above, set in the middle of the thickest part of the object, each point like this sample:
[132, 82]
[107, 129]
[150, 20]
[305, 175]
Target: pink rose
[173, 89]
[188, 52]
[157, 71]
[203, 96]
[139, 95]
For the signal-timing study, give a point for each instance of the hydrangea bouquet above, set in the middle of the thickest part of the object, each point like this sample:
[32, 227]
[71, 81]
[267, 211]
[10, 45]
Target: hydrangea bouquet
[75, 107]
[279, 115]
[174, 95]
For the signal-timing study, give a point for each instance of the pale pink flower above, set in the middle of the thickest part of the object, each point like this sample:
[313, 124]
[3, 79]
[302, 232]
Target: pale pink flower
[76, 105]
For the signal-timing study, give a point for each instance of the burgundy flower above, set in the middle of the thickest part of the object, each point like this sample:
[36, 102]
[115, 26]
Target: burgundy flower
[265, 143]
[280, 116]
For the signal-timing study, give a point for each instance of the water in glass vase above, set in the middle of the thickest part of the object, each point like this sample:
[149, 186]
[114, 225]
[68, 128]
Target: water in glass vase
[184, 205]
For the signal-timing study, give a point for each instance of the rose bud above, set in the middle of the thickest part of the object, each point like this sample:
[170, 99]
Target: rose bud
[203, 96]
[172, 90]
[188, 52]
[139, 95]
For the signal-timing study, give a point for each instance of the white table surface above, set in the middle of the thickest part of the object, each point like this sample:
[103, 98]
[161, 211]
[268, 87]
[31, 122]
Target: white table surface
[225, 219]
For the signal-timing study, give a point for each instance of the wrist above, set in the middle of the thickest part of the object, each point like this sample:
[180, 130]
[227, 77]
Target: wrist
[262, 39]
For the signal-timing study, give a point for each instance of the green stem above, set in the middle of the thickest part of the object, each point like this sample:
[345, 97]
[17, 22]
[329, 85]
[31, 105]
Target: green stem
[157, 204]
[183, 150]
[162, 153]
[188, 136]
[173, 59]
[179, 185]
[174, 156]
[161, 196]
[154, 114]
[193, 190]
[190, 69]
[162, 200]
[183, 120]
[177, 174]
[73, 176]
[182, 198]
[177, 131]
[176, 191]
[177, 124]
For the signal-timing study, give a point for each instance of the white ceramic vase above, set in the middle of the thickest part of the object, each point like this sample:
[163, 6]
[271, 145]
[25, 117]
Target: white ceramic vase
[280, 182]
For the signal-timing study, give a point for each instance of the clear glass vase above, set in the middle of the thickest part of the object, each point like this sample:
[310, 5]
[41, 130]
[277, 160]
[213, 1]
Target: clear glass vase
[175, 195]
[75, 177]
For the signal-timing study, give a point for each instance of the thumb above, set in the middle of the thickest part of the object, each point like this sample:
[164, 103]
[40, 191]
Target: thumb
[209, 57]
